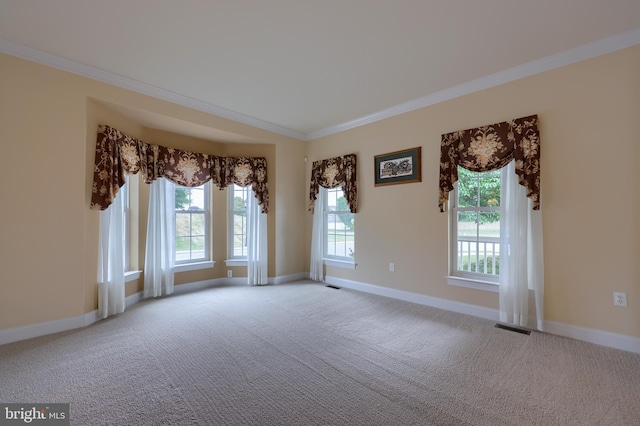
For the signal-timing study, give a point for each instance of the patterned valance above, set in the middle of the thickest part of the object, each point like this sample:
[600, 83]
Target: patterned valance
[338, 171]
[492, 147]
[118, 154]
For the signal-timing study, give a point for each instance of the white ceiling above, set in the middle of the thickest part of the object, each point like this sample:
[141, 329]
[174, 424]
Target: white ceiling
[311, 67]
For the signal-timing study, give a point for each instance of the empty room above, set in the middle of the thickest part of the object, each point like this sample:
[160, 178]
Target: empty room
[356, 212]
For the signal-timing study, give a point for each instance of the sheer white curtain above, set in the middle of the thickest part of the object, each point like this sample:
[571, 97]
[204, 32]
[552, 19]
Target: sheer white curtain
[521, 256]
[160, 250]
[257, 249]
[111, 258]
[317, 237]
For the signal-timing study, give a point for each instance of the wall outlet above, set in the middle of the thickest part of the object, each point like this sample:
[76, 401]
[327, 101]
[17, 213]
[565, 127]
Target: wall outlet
[229, 273]
[392, 267]
[619, 299]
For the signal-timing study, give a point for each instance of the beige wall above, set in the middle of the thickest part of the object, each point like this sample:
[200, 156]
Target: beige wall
[589, 116]
[590, 196]
[49, 118]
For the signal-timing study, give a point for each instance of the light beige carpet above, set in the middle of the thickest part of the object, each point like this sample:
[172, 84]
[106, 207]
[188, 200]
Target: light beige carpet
[305, 354]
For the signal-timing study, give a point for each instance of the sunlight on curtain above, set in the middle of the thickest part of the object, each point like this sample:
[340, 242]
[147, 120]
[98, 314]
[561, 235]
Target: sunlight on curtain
[317, 237]
[257, 248]
[111, 259]
[521, 261]
[160, 248]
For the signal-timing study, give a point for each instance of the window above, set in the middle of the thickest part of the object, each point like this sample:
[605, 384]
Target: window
[339, 226]
[238, 224]
[475, 225]
[192, 223]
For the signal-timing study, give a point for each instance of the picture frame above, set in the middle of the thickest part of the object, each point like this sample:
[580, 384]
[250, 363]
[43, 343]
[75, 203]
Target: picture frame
[398, 167]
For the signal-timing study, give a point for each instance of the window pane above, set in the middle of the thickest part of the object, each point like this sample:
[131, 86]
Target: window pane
[477, 248]
[197, 224]
[489, 225]
[196, 198]
[339, 225]
[489, 188]
[183, 224]
[467, 224]
[467, 188]
[240, 198]
[240, 235]
[182, 198]
[197, 247]
[183, 248]
[191, 227]
[237, 227]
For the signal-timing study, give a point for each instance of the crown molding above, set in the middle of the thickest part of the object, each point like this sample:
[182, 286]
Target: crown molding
[35, 55]
[580, 53]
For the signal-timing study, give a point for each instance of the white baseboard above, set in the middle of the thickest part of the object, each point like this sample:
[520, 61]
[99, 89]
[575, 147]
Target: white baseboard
[421, 299]
[598, 337]
[288, 278]
[15, 334]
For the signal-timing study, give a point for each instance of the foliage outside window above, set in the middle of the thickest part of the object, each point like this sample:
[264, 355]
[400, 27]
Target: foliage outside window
[339, 225]
[238, 214]
[192, 223]
[476, 225]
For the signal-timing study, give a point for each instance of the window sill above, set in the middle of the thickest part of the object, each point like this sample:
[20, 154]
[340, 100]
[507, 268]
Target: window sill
[236, 262]
[184, 267]
[473, 283]
[131, 276]
[339, 263]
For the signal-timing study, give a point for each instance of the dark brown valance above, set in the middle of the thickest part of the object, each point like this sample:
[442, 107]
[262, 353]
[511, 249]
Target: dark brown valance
[333, 172]
[118, 154]
[492, 147]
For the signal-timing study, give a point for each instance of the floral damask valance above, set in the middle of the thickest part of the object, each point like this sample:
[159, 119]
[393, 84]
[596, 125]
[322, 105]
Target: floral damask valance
[118, 154]
[492, 147]
[333, 172]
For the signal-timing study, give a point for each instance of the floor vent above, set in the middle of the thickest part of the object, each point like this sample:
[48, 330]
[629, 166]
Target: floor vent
[516, 329]
[332, 286]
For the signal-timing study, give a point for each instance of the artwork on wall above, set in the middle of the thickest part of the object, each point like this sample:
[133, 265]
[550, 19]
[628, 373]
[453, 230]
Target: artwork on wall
[398, 167]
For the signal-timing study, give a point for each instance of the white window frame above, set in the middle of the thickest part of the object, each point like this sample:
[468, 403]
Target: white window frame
[332, 259]
[475, 280]
[232, 258]
[205, 260]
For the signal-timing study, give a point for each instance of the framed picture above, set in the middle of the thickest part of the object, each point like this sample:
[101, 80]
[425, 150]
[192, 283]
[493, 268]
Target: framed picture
[398, 167]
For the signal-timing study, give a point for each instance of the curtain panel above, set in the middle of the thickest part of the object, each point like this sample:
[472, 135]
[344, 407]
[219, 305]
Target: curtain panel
[118, 154]
[492, 147]
[333, 172]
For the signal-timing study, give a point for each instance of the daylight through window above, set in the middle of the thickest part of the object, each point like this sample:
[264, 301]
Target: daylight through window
[475, 219]
[238, 197]
[192, 223]
[339, 225]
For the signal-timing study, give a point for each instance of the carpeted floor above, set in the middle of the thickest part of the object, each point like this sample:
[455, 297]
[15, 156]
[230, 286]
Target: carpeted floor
[305, 354]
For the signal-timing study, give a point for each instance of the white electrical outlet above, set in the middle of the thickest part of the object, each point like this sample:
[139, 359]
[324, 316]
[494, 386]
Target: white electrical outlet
[619, 299]
[229, 273]
[392, 267]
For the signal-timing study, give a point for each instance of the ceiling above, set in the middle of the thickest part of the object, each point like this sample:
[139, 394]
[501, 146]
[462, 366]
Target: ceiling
[306, 68]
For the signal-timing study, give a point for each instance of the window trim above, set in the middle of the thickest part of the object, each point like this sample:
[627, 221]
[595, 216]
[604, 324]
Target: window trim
[333, 260]
[194, 266]
[232, 259]
[473, 283]
[475, 280]
[207, 260]
[339, 263]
